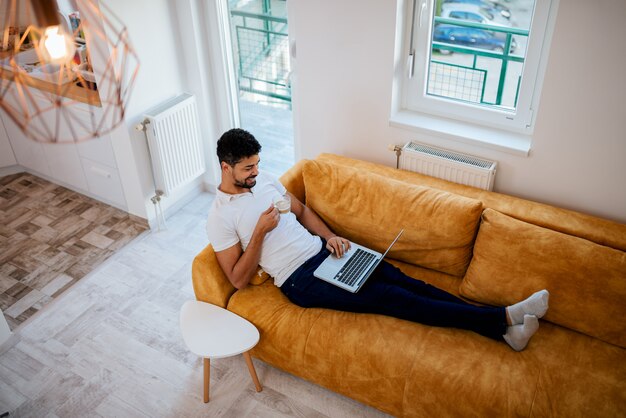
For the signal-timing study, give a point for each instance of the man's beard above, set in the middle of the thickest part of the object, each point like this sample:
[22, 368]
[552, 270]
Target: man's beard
[244, 183]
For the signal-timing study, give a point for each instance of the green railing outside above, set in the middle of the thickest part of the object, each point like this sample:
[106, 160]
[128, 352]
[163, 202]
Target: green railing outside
[262, 53]
[505, 56]
[471, 89]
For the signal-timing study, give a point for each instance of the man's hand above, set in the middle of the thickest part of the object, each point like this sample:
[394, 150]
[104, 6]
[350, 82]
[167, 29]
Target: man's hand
[338, 246]
[268, 220]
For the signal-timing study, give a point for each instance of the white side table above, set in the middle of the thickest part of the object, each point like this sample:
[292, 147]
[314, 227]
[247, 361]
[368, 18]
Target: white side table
[212, 332]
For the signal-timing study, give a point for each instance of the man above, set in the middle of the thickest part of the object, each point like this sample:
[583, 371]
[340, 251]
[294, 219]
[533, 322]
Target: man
[246, 230]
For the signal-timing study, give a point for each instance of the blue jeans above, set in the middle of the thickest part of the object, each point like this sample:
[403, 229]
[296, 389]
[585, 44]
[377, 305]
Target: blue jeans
[390, 292]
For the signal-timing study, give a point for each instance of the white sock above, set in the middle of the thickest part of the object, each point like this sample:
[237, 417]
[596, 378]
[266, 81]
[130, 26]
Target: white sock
[536, 304]
[517, 336]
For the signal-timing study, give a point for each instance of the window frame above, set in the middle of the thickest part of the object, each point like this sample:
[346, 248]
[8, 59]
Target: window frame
[413, 109]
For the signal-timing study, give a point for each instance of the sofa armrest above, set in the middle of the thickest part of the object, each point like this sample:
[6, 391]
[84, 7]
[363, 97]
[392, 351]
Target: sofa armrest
[294, 182]
[210, 284]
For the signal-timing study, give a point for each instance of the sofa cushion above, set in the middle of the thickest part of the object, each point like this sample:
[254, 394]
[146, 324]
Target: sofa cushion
[388, 362]
[439, 227]
[587, 282]
[210, 284]
[598, 230]
[581, 376]
[350, 365]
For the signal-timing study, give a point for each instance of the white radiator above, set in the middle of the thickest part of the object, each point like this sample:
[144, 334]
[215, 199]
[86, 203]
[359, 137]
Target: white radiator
[175, 146]
[448, 165]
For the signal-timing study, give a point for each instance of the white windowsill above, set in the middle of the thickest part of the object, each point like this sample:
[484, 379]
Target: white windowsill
[498, 139]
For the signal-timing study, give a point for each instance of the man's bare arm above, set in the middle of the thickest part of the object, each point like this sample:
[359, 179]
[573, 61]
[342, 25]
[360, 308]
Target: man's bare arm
[311, 221]
[240, 266]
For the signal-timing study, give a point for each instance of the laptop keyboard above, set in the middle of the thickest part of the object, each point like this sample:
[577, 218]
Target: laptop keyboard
[352, 270]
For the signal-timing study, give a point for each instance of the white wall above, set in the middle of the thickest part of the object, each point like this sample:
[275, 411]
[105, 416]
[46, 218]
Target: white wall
[344, 71]
[199, 40]
[172, 45]
[150, 28]
[7, 158]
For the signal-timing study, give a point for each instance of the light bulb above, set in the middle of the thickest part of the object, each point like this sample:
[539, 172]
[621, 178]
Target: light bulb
[57, 46]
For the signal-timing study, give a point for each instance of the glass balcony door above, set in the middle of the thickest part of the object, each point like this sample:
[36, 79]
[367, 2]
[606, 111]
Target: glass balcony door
[260, 45]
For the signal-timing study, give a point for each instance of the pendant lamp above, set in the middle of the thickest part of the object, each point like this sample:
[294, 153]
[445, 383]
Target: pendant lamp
[65, 75]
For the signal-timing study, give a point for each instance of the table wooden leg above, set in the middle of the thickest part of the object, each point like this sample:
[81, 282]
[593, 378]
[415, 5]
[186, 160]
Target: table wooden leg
[255, 379]
[207, 375]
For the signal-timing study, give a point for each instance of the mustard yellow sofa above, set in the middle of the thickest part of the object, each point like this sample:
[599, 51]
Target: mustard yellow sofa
[486, 247]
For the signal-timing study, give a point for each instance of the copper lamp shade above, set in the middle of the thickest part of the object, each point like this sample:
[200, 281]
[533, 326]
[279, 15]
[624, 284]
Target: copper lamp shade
[64, 78]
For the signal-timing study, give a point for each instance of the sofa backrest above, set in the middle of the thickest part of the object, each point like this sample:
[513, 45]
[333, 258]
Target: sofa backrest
[439, 227]
[598, 230]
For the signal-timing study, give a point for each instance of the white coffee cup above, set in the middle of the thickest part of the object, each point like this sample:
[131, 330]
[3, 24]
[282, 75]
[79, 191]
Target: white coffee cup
[282, 203]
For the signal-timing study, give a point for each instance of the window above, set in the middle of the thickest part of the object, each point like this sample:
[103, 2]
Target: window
[480, 62]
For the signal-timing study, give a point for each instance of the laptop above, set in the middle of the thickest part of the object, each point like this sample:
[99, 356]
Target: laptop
[351, 271]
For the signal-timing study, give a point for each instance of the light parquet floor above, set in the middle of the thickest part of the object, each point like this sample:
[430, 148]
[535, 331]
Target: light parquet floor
[110, 346]
[51, 237]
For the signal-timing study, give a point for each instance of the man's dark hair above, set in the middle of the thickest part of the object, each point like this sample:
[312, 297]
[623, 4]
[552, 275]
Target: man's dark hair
[235, 145]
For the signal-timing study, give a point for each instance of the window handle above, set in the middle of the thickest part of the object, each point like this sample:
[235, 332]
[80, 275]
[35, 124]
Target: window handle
[422, 8]
[411, 63]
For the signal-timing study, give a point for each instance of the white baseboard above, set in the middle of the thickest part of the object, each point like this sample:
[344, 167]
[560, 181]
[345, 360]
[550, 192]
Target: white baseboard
[12, 169]
[5, 331]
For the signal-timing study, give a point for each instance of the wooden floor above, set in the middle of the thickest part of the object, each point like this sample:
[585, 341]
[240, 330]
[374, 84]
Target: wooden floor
[51, 237]
[110, 346]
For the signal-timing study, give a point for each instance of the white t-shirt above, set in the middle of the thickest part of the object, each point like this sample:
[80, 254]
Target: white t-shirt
[232, 219]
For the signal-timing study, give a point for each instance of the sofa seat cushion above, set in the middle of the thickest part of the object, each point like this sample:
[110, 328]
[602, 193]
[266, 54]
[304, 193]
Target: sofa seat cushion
[409, 369]
[565, 373]
[439, 227]
[404, 368]
[581, 376]
[349, 358]
[587, 282]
